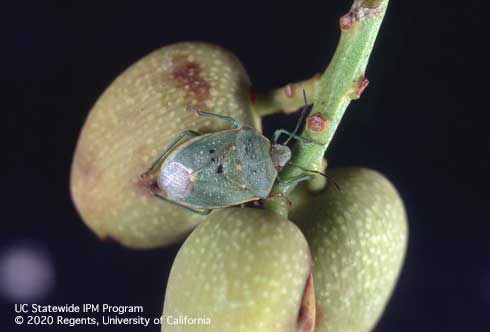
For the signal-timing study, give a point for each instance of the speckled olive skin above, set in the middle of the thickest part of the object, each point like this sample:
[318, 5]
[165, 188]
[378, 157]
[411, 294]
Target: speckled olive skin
[244, 269]
[133, 121]
[357, 237]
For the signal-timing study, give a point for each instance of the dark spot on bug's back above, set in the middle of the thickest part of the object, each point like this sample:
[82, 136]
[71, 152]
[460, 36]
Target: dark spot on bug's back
[213, 160]
[187, 75]
[220, 169]
[212, 151]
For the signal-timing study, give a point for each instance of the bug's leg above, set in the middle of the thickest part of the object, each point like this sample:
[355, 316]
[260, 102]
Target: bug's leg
[233, 122]
[166, 200]
[170, 147]
[282, 196]
[316, 172]
[295, 180]
[290, 183]
[279, 132]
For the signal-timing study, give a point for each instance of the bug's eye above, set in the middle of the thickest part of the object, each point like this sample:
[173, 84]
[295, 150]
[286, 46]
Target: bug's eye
[212, 151]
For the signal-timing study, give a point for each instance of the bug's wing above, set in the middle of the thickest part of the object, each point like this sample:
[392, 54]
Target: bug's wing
[218, 193]
[217, 179]
[202, 151]
[259, 172]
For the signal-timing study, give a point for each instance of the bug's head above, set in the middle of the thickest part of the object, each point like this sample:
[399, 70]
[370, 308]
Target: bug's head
[280, 155]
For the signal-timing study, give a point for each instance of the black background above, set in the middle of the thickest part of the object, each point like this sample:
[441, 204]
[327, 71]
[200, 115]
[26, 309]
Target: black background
[422, 122]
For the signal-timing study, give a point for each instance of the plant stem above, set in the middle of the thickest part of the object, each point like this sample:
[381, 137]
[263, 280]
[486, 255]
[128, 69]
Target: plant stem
[342, 81]
[286, 99]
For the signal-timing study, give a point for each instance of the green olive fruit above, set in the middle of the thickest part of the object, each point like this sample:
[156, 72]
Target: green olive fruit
[137, 116]
[357, 237]
[243, 270]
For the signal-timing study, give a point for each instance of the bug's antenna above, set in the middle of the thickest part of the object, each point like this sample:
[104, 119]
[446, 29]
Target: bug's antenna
[303, 111]
[317, 172]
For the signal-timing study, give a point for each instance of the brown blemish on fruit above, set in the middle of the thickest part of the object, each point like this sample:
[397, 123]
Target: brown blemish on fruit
[146, 184]
[84, 165]
[154, 187]
[85, 182]
[109, 239]
[307, 311]
[289, 90]
[363, 83]
[316, 122]
[187, 74]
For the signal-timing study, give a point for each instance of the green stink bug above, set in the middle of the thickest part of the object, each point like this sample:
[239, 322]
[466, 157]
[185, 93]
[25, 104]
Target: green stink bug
[221, 169]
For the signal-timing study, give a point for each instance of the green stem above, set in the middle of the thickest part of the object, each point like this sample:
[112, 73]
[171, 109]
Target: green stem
[342, 81]
[286, 99]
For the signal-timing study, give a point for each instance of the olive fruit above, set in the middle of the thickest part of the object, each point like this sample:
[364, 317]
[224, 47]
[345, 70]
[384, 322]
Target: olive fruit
[137, 116]
[243, 270]
[357, 236]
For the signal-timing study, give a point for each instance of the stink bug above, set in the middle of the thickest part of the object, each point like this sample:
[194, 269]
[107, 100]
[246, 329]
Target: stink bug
[221, 169]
